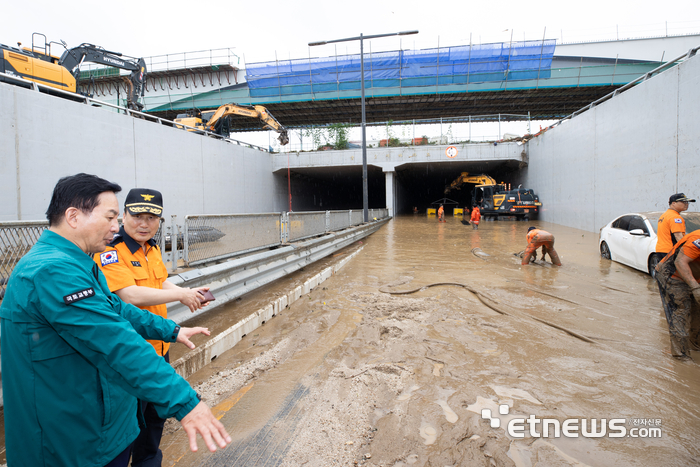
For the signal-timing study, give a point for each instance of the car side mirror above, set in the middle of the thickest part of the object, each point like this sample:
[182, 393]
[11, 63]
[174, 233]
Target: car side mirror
[638, 232]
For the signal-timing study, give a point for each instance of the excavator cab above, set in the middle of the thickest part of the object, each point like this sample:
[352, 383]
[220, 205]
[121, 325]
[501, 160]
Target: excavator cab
[488, 197]
[192, 119]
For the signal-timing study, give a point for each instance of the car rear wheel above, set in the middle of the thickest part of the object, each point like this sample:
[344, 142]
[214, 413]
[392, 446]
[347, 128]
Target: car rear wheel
[605, 251]
[653, 261]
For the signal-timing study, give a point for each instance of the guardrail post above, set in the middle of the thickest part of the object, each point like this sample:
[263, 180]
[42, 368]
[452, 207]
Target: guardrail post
[173, 243]
[350, 217]
[283, 227]
[328, 221]
[186, 244]
[162, 236]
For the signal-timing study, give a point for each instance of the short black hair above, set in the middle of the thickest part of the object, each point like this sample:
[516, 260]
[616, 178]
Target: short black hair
[530, 229]
[77, 191]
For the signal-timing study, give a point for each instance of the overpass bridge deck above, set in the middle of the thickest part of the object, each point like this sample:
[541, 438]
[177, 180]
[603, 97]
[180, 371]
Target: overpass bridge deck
[563, 92]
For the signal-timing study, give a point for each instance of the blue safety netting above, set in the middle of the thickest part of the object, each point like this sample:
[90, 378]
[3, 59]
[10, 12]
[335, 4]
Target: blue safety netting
[509, 61]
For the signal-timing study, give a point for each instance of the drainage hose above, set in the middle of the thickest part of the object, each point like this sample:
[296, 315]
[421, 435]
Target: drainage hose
[489, 302]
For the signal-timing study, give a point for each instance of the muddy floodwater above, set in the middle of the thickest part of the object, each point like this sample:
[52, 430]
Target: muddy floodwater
[356, 374]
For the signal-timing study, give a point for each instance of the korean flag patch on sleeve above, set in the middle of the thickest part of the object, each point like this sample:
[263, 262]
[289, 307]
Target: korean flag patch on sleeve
[678, 221]
[697, 243]
[109, 257]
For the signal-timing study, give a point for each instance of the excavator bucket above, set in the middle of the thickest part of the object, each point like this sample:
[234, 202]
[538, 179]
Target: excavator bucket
[283, 138]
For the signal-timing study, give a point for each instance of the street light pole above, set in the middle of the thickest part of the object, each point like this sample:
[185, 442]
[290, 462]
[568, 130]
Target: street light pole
[365, 188]
[361, 37]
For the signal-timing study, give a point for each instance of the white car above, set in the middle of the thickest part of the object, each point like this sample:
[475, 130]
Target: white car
[631, 238]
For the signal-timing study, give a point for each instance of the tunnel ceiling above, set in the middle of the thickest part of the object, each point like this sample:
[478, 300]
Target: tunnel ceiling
[542, 104]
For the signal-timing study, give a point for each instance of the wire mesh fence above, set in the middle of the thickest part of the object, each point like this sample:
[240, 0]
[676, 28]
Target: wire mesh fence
[214, 237]
[306, 224]
[202, 239]
[356, 217]
[338, 220]
[378, 213]
[16, 239]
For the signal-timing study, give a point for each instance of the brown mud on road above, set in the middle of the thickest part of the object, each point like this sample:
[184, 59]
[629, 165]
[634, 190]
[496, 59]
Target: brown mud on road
[352, 375]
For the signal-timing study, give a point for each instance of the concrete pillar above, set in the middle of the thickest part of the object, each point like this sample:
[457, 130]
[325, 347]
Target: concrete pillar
[390, 191]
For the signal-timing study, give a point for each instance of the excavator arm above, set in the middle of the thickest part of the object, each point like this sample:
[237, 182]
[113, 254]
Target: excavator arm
[136, 83]
[481, 179]
[258, 111]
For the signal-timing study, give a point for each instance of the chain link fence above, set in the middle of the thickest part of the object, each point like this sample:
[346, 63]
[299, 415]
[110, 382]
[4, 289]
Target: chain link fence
[338, 220]
[357, 217]
[378, 213]
[305, 224]
[214, 237]
[202, 239]
[16, 239]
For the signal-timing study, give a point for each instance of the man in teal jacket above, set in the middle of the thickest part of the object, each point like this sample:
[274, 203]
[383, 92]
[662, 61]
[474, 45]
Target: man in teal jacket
[74, 357]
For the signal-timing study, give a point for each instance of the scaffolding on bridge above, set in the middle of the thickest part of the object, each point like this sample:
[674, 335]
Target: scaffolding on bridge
[390, 72]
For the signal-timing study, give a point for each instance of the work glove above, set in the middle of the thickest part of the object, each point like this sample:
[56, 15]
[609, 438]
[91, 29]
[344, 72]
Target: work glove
[696, 294]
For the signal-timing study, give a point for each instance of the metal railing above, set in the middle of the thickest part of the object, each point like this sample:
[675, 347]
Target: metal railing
[214, 237]
[306, 224]
[338, 220]
[16, 239]
[203, 238]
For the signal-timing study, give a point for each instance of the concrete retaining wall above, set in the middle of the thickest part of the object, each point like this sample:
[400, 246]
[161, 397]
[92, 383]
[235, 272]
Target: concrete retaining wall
[628, 154]
[43, 138]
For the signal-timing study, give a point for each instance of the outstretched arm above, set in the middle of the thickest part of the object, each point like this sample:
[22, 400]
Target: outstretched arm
[201, 420]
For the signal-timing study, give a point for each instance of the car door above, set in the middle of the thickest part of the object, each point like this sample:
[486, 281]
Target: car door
[618, 239]
[639, 245]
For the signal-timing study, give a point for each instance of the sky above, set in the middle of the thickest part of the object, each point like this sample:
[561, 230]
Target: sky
[262, 31]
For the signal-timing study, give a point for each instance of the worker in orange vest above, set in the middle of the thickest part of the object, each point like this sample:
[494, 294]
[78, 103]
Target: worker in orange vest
[476, 216]
[441, 214]
[540, 238]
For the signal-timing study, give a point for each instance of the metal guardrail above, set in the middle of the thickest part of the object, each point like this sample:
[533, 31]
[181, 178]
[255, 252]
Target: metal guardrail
[204, 238]
[212, 238]
[239, 276]
[4, 77]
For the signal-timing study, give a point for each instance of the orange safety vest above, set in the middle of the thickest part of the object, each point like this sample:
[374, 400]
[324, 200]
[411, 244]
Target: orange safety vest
[670, 222]
[691, 248]
[124, 263]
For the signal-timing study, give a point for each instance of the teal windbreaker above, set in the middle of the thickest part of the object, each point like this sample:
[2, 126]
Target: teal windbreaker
[75, 360]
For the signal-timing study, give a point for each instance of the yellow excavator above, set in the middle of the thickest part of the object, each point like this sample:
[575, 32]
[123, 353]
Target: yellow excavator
[39, 65]
[495, 199]
[217, 121]
[481, 179]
